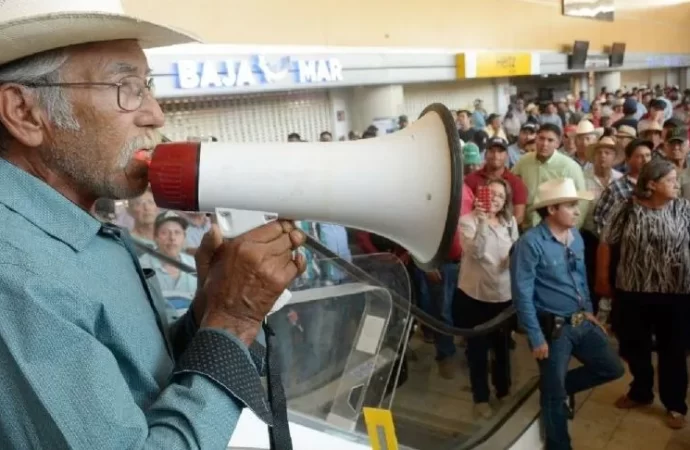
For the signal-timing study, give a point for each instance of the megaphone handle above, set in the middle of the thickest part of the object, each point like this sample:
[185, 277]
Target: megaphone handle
[233, 222]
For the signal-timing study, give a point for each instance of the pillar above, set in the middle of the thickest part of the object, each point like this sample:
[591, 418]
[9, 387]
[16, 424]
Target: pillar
[502, 91]
[610, 80]
[684, 81]
[341, 112]
[376, 103]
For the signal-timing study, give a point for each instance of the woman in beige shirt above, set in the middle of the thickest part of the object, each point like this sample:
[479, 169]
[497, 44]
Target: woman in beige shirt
[484, 290]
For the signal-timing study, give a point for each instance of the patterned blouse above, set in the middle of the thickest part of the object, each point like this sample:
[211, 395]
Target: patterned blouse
[655, 247]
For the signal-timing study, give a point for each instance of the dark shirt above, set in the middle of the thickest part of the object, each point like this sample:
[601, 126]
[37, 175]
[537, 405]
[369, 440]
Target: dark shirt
[630, 121]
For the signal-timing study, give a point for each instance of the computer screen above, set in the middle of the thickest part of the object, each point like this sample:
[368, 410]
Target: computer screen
[579, 56]
[617, 54]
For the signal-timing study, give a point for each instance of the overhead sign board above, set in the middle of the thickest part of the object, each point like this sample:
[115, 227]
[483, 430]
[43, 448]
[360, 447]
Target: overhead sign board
[256, 71]
[494, 64]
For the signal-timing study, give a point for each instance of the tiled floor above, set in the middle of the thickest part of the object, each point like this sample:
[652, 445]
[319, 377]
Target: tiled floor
[446, 406]
[599, 425]
[443, 409]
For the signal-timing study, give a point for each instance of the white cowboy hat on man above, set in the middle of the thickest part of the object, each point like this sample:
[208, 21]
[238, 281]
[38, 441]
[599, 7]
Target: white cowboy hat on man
[557, 191]
[29, 27]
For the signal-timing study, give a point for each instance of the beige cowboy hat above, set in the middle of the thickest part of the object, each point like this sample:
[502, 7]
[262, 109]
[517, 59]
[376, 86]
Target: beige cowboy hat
[605, 142]
[556, 191]
[585, 127]
[649, 125]
[626, 131]
[28, 27]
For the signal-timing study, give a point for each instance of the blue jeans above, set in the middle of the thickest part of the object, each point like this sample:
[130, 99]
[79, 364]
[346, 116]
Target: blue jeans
[590, 346]
[445, 347]
[437, 300]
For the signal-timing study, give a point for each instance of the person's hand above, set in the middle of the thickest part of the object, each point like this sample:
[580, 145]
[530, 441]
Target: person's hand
[203, 256]
[541, 352]
[246, 276]
[434, 276]
[293, 317]
[479, 210]
[592, 318]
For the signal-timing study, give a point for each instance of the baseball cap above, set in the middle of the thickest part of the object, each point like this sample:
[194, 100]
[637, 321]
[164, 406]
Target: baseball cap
[677, 134]
[471, 154]
[497, 142]
[170, 216]
[531, 127]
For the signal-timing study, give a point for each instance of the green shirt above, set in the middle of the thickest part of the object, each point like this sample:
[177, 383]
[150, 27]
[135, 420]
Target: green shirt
[534, 172]
[88, 358]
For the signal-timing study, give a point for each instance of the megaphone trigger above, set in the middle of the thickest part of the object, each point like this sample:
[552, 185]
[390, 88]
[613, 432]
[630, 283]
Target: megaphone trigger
[234, 222]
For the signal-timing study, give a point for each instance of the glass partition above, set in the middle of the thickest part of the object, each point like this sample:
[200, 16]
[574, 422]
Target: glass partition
[340, 341]
[347, 342]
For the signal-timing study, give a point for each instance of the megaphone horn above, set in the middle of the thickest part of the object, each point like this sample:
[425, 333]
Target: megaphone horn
[405, 186]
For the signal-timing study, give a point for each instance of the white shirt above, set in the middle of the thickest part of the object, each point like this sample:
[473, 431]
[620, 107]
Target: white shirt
[595, 185]
[484, 273]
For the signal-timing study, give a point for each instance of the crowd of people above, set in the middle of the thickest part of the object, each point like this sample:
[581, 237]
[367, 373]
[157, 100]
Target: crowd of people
[598, 192]
[552, 203]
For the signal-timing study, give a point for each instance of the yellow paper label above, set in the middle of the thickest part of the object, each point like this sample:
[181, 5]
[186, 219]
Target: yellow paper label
[380, 428]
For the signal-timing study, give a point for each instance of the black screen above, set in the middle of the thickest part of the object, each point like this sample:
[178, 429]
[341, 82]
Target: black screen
[580, 49]
[617, 54]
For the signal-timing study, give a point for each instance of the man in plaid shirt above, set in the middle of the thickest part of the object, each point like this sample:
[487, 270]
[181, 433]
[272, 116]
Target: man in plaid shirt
[637, 153]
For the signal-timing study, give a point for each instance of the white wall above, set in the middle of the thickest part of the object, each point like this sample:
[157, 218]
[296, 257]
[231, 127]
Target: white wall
[455, 95]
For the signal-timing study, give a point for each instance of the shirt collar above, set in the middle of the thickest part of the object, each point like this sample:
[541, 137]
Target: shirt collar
[46, 208]
[553, 158]
[547, 234]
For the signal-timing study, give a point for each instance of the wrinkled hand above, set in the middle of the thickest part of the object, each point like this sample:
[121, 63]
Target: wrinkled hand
[203, 255]
[247, 274]
[541, 352]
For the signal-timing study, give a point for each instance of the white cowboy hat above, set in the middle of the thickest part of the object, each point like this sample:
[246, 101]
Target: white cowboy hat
[28, 27]
[649, 125]
[585, 127]
[556, 191]
[626, 131]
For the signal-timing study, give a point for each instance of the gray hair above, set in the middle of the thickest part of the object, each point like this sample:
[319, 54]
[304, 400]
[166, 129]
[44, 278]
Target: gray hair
[654, 170]
[43, 68]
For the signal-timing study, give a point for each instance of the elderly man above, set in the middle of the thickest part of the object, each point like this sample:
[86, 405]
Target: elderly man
[88, 358]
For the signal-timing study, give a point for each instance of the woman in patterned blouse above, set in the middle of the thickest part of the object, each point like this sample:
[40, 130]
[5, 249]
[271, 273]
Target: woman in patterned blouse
[652, 284]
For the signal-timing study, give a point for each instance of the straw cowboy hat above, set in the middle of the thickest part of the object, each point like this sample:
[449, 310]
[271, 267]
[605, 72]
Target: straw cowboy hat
[28, 27]
[585, 127]
[626, 131]
[556, 191]
[649, 125]
[605, 142]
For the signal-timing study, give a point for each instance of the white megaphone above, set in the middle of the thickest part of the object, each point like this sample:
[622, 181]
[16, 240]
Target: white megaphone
[406, 186]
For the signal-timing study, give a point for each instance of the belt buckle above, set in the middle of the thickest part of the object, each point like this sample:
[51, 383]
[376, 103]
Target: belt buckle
[577, 319]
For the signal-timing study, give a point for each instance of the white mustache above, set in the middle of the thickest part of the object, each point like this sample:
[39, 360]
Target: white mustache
[138, 143]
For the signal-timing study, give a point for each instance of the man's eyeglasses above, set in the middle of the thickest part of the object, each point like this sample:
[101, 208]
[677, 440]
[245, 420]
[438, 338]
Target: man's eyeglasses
[131, 91]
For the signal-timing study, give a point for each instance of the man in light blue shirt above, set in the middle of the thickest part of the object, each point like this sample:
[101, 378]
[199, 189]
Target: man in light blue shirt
[89, 360]
[550, 293]
[528, 132]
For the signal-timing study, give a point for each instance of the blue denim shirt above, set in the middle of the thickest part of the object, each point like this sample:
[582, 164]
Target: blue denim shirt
[547, 276]
[87, 355]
